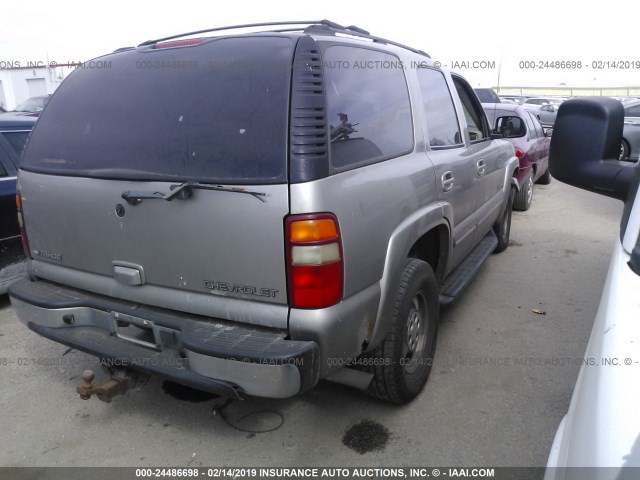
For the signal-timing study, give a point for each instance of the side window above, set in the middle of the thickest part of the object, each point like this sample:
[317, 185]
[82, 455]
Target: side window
[476, 120]
[536, 124]
[3, 171]
[367, 105]
[632, 111]
[17, 140]
[530, 125]
[439, 112]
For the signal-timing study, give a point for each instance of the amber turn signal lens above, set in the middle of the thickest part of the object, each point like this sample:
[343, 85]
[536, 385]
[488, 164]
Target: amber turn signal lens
[313, 230]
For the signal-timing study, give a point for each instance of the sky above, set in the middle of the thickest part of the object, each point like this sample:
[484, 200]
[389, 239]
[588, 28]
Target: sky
[488, 42]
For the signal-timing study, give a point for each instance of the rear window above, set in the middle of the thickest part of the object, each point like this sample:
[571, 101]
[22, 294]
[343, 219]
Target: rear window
[216, 112]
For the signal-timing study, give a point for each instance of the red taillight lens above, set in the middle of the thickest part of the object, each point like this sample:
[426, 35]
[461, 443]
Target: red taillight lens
[519, 152]
[314, 260]
[23, 232]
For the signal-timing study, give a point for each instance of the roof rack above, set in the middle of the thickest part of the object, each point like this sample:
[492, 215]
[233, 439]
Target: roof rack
[312, 26]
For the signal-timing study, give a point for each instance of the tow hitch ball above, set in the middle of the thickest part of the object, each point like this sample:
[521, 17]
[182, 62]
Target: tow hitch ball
[117, 385]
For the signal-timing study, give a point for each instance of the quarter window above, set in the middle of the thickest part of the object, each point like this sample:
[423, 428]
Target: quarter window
[368, 106]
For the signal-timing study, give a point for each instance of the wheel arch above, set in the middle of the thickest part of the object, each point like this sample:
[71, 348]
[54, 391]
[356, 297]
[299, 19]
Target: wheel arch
[426, 229]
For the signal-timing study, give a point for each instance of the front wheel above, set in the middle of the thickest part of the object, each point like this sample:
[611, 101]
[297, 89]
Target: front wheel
[525, 195]
[502, 229]
[403, 361]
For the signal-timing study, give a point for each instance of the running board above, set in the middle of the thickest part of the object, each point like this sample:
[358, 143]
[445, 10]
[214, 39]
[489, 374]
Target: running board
[462, 275]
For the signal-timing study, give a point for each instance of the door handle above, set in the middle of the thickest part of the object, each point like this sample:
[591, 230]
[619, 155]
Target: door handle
[481, 167]
[447, 181]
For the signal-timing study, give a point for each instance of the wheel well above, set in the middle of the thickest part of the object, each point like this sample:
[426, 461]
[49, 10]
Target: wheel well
[433, 248]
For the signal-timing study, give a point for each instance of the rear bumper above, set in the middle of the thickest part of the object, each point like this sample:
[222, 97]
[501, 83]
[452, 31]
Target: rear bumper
[13, 264]
[208, 354]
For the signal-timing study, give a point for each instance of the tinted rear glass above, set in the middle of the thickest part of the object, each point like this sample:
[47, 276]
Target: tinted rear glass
[215, 112]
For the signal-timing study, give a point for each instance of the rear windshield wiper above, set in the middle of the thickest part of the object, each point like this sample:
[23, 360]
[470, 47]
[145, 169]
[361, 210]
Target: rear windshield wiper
[183, 191]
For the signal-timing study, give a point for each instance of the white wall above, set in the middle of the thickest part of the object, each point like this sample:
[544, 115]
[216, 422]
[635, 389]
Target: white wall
[14, 84]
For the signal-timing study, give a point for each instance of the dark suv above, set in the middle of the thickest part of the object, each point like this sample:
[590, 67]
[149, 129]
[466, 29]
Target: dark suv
[252, 213]
[14, 131]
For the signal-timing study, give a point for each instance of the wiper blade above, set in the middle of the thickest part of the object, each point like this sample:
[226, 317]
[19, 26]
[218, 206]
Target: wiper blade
[183, 191]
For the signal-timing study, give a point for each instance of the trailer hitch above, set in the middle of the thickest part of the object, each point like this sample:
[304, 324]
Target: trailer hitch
[118, 384]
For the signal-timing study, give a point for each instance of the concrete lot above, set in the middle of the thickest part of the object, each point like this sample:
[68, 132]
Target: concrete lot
[500, 385]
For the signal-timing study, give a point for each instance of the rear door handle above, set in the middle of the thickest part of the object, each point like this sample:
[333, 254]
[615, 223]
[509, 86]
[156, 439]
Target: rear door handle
[481, 167]
[447, 181]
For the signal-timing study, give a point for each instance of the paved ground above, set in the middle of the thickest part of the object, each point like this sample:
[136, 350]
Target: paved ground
[495, 396]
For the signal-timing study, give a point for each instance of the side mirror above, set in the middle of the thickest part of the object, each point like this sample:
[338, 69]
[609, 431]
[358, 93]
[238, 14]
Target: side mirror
[510, 126]
[586, 144]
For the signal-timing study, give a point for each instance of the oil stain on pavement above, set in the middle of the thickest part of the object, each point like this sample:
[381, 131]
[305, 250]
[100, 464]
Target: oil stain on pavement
[366, 436]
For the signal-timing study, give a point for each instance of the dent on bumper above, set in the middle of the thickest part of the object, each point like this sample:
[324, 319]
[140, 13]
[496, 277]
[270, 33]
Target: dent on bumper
[210, 355]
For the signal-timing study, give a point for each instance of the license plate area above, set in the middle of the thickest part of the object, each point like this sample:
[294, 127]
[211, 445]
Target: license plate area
[143, 332]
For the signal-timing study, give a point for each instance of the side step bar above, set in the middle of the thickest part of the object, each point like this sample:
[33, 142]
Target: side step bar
[462, 275]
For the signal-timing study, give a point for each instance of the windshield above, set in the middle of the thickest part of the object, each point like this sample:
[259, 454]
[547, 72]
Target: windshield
[34, 105]
[215, 112]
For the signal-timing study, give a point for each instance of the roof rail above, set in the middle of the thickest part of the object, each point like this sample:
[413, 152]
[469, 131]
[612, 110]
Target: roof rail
[312, 26]
[359, 32]
[247, 25]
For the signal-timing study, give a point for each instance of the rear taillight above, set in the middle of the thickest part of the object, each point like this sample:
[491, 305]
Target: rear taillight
[23, 232]
[519, 152]
[314, 258]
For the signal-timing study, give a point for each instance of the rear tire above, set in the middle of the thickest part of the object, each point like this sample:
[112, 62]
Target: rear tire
[503, 228]
[624, 150]
[402, 363]
[524, 198]
[545, 179]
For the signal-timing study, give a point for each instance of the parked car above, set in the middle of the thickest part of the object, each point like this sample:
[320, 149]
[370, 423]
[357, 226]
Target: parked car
[14, 131]
[33, 105]
[520, 126]
[542, 101]
[630, 146]
[283, 214]
[487, 95]
[512, 98]
[547, 113]
[602, 426]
